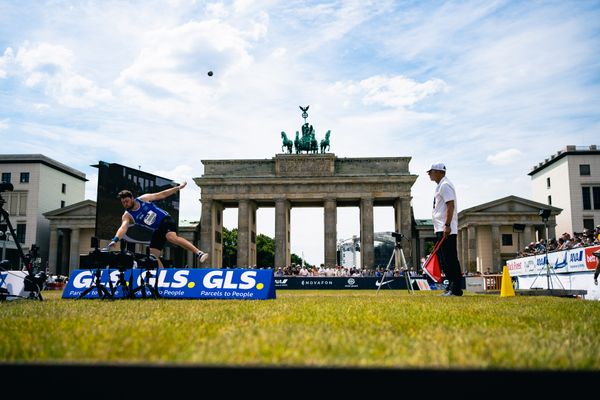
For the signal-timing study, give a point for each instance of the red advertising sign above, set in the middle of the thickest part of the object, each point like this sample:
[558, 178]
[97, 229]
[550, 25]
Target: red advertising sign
[591, 261]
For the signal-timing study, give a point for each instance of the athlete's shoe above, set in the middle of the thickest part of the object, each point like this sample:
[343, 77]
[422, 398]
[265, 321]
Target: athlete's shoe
[202, 256]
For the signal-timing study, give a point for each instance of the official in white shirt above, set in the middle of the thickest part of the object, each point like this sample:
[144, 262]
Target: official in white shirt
[445, 225]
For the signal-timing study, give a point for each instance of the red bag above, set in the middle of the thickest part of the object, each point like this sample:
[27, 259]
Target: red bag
[431, 266]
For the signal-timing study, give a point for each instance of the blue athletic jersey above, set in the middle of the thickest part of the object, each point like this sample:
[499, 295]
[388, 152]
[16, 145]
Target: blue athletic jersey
[148, 214]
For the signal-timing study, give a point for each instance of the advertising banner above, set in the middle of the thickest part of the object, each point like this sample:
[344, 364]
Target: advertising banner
[172, 283]
[580, 259]
[367, 283]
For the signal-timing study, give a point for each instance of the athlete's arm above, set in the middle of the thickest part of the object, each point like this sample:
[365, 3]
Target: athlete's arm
[122, 229]
[162, 195]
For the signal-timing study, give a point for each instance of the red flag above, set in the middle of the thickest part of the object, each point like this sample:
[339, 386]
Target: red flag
[431, 266]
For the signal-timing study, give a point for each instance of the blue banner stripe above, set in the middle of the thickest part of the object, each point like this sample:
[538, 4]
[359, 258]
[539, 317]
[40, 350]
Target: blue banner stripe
[172, 283]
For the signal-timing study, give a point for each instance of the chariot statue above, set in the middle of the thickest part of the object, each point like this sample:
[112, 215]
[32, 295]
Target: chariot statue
[308, 141]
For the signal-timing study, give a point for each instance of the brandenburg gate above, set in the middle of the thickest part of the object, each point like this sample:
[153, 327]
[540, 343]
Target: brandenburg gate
[302, 180]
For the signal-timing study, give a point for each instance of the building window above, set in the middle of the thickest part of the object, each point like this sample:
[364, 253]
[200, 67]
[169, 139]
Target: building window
[6, 177]
[591, 197]
[585, 193]
[507, 239]
[24, 177]
[588, 223]
[548, 183]
[549, 200]
[584, 170]
[21, 232]
[64, 188]
[62, 204]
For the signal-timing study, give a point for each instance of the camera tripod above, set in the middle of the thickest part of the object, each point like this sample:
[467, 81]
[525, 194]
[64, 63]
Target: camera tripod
[103, 292]
[549, 271]
[398, 253]
[148, 263]
[35, 292]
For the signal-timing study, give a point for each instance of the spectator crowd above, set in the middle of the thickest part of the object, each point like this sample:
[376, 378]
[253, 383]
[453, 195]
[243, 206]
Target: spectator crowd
[589, 237]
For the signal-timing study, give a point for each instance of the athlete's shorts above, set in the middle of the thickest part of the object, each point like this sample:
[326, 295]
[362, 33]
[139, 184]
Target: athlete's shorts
[159, 237]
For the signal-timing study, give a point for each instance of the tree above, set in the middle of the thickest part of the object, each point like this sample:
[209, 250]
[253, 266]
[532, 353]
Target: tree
[298, 260]
[265, 251]
[229, 242]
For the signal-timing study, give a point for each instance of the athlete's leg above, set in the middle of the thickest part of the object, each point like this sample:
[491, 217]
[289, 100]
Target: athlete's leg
[156, 254]
[181, 242]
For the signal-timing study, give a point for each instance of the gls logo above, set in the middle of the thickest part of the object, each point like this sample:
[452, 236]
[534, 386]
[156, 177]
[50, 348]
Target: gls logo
[84, 279]
[215, 280]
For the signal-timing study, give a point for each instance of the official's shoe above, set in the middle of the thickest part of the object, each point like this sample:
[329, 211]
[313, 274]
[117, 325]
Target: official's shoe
[595, 281]
[451, 294]
[202, 256]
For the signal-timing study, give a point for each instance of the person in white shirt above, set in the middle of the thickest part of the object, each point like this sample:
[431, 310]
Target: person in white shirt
[445, 226]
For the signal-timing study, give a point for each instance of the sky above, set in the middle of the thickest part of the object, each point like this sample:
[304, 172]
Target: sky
[490, 88]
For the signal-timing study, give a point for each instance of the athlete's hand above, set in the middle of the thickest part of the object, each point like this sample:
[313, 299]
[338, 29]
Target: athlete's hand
[182, 185]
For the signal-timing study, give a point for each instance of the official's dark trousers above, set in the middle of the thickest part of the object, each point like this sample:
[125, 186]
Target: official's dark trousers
[449, 263]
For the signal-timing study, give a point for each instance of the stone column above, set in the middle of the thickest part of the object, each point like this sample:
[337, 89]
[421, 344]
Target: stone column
[472, 239]
[464, 248]
[243, 235]
[53, 250]
[527, 236]
[330, 229]
[282, 233]
[211, 231]
[246, 245]
[496, 259]
[367, 241]
[189, 256]
[403, 225]
[207, 230]
[74, 250]
[252, 207]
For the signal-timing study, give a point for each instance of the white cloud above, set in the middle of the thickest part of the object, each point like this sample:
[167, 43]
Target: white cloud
[170, 72]
[5, 62]
[398, 91]
[51, 67]
[4, 124]
[505, 157]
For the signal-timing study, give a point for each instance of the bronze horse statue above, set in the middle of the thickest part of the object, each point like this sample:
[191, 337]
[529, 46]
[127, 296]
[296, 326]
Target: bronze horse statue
[287, 143]
[325, 142]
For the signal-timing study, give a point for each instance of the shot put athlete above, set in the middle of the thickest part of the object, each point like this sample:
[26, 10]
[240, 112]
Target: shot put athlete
[142, 211]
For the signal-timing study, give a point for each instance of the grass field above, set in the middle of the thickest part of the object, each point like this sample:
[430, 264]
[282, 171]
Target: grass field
[309, 328]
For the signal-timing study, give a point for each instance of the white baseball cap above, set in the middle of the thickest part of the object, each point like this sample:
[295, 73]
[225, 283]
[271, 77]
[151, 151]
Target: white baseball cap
[438, 167]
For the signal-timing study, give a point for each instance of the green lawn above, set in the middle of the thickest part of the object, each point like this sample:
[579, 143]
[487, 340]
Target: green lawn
[309, 328]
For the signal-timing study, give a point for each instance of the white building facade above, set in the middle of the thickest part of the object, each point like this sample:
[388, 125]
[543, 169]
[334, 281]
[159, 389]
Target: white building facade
[570, 180]
[40, 184]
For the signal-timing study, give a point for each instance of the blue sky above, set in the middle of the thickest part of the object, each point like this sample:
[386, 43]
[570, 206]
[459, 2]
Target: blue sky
[490, 88]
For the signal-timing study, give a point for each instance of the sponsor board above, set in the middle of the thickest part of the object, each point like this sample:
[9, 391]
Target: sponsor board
[354, 283]
[565, 261]
[175, 283]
